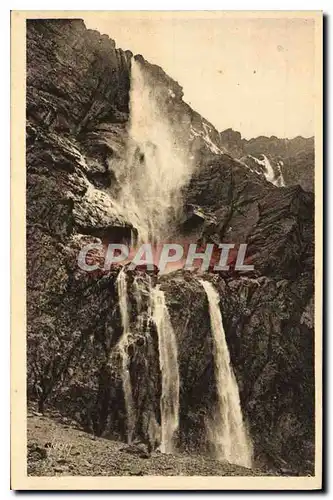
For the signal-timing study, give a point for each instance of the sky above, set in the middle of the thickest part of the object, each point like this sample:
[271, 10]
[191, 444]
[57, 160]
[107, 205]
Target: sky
[255, 75]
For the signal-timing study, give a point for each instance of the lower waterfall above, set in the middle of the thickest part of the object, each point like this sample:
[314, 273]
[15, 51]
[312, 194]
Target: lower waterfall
[226, 431]
[169, 369]
[123, 349]
[168, 357]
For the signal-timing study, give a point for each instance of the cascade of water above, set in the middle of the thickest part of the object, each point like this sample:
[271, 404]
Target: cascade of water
[151, 182]
[280, 180]
[123, 349]
[169, 369]
[141, 291]
[271, 176]
[157, 166]
[226, 431]
[137, 292]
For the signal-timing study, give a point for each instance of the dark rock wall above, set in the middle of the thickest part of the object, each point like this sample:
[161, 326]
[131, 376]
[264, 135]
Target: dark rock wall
[76, 78]
[77, 113]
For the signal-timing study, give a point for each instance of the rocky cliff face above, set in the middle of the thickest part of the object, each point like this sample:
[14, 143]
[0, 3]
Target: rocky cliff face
[77, 126]
[294, 158]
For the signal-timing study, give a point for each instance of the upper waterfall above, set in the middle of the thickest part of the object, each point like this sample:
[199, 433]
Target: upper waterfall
[157, 165]
[226, 430]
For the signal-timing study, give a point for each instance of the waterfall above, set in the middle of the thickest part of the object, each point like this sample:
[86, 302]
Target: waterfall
[169, 369]
[271, 176]
[281, 181]
[157, 165]
[269, 171]
[123, 349]
[226, 431]
[138, 293]
[151, 181]
[157, 311]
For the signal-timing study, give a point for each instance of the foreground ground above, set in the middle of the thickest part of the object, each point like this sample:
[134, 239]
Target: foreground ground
[56, 448]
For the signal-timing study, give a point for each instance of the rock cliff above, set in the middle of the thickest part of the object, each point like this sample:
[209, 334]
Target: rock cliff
[77, 126]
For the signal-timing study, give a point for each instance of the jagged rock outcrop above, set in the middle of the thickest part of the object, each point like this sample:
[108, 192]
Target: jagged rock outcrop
[75, 77]
[239, 207]
[233, 142]
[77, 115]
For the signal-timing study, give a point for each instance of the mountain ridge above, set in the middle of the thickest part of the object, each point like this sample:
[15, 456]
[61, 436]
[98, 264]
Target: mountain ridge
[295, 156]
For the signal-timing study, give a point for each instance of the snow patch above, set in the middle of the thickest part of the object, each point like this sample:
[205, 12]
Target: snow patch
[268, 171]
[204, 134]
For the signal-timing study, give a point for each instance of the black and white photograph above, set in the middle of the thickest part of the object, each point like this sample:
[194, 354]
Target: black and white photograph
[169, 167]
